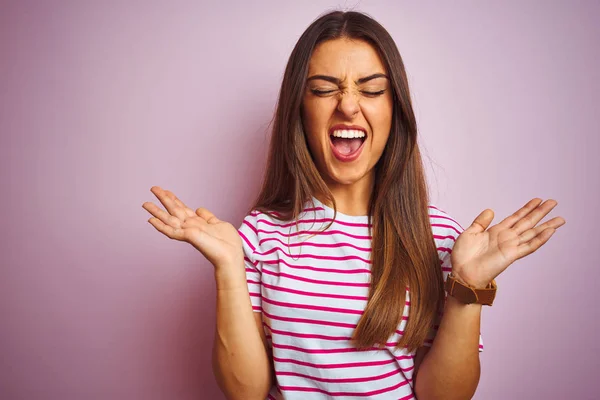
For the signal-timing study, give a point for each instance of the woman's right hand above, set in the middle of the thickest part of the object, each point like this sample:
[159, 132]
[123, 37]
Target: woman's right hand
[217, 240]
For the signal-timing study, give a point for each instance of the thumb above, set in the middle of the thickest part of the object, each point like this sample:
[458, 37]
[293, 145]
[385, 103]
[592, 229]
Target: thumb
[482, 222]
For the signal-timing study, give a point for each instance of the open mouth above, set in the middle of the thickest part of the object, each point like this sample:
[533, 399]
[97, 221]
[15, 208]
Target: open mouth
[347, 141]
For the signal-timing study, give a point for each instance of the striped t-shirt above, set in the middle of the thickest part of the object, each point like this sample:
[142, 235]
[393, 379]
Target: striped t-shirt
[311, 287]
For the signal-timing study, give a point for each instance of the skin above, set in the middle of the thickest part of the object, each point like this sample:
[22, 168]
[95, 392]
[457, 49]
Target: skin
[242, 363]
[450, 369]
[348, 102]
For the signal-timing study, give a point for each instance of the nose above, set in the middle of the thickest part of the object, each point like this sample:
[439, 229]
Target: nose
[348, 104]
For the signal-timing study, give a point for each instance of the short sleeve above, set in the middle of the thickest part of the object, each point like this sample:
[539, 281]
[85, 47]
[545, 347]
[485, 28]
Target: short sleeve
[445, 232]
[249, 233]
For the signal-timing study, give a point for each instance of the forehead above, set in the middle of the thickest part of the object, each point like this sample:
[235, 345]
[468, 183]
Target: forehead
[340, 57]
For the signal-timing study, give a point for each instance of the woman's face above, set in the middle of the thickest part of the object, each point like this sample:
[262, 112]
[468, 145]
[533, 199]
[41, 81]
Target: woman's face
[346, 110]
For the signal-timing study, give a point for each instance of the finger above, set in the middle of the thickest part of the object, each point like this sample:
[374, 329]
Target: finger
[535, 243]
[169, 231]
[188, 211]
[162, 215]
[554, 223]
[168, 203]
[534, 216]
[482, 222]
[511, 220]
[207, 215]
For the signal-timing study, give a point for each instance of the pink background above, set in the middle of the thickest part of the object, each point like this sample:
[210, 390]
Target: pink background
[100, 102]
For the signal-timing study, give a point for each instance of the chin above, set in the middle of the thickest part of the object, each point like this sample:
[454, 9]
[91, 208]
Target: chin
[347, 176]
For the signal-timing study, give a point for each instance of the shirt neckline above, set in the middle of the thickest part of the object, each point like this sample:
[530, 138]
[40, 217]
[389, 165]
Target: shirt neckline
[329, 212]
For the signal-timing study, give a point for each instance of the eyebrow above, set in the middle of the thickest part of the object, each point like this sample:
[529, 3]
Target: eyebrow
[337, 81]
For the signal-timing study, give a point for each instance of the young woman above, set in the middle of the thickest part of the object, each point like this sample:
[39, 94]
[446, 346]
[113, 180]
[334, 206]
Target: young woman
[315, 290]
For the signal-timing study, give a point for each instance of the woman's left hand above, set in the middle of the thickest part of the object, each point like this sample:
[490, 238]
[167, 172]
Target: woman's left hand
[481, 254]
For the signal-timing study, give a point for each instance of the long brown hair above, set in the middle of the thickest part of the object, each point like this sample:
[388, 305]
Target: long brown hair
[403, 250]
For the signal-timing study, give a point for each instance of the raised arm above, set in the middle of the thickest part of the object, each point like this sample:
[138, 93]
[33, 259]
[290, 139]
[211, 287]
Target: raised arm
[241, 361]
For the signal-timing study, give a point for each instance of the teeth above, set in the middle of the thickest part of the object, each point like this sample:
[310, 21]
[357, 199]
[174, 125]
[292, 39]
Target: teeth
[349, 134]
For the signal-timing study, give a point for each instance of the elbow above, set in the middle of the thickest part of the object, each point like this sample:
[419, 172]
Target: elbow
[236, 388]
[428, 387]
[430, 395]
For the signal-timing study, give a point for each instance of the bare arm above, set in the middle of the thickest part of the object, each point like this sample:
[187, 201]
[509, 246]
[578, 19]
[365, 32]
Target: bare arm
[450, 368]
[241, 360]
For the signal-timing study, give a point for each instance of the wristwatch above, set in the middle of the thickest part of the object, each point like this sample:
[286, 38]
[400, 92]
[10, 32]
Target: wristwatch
[468, 294]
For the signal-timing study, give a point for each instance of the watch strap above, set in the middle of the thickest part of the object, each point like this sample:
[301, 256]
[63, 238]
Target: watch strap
[468, 294]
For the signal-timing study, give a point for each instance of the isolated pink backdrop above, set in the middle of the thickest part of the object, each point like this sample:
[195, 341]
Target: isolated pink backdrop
[98, 102]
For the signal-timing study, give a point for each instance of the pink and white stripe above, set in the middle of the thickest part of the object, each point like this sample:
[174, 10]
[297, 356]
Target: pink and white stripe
[311, 287]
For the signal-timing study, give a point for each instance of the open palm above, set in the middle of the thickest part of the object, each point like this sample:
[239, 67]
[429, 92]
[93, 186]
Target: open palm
[481, 254]
[217, 240]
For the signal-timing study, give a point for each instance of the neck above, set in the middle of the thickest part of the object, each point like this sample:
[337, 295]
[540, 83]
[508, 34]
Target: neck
[352, 199]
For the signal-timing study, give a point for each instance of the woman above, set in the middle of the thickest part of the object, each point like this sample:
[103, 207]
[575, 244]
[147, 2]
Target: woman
[315, 289]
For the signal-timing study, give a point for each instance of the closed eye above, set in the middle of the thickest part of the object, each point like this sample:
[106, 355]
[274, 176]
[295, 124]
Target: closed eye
[328, 92]
[373, 94]
[322, 92]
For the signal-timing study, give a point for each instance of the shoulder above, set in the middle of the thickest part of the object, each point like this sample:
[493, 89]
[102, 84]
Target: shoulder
[250, 232]
[445, 229]
[442, 222]
[256, 218]
[258, 221]
[250, 226]
[259, 224]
